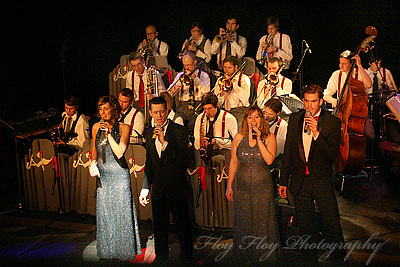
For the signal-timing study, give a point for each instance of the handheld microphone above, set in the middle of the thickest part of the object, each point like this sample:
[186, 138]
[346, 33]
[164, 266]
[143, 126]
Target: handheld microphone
[154, 134]
[307, 46]
[102, 123]
[254, 134]
[306, 127]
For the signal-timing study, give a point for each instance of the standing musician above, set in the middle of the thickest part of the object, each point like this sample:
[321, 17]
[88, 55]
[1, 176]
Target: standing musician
[199, 45]
[228, 42]
[131, 116]
[152, 46]
[274, 44]
[383, 76]
[338, 77]
[311, 147]
[275, 84]
[138, 80]
[73, 127]
[235, 98]
[214, 127]
[189, 85]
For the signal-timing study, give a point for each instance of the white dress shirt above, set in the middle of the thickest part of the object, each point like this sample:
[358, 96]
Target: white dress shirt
[284, 49]
[333, 83]
[163, 51]
[385, 73]
[264, 94]
[238, 48]
[138, 124]
[206, 53]
[238, 97]
[280, 135]
[307, 138]
[145, 77]
[80, 129]
[230, 127]
[201, 85]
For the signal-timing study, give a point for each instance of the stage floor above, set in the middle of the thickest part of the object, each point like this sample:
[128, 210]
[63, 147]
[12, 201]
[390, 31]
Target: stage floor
[37, 238]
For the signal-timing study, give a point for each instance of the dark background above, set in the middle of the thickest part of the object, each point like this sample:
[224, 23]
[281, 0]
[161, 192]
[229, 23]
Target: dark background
[50, 51]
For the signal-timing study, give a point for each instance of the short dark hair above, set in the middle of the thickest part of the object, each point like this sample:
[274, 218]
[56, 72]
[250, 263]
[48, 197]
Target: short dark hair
[273, 21]
[233, 16]
[312, 89]
[135, 55]
[232, 59]
[275, 104]
[128, 93]
[275, 59]
[158, 100]
[197, 24]
[209, 98]
[373, 60]
[71, 101]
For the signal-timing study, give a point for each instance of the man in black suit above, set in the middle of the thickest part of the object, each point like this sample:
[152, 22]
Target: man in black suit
[167, 158]
[312, 144]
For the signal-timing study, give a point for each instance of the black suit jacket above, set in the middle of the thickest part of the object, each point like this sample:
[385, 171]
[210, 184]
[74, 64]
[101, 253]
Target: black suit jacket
[322, 155]
[167, 175]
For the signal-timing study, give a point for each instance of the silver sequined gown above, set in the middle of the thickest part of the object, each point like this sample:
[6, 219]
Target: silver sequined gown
[117, 226]
[255, 236]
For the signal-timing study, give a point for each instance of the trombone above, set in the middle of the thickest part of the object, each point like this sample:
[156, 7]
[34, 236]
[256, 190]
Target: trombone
[226, 83]
[272, 79]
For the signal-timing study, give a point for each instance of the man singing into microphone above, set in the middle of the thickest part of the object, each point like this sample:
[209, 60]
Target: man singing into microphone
[311, 147]
[167, 158]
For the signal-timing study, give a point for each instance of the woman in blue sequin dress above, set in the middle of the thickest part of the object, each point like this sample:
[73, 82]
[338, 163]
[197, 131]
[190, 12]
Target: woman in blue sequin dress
[255, 228]
[117, 226]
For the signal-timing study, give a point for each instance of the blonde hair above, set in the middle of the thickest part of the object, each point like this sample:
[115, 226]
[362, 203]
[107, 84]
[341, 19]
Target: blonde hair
[264, 127]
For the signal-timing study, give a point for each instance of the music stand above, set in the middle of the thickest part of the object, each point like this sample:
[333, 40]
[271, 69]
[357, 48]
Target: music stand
[15, 134]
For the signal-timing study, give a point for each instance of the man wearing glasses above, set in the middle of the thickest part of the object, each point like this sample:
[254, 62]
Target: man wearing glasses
[152, 45]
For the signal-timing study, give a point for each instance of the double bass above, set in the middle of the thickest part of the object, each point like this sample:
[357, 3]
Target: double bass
[352, 110]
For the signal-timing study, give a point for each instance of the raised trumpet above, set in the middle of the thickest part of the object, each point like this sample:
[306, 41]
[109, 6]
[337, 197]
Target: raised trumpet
[186, 48]
[221, 37]
[264, 53]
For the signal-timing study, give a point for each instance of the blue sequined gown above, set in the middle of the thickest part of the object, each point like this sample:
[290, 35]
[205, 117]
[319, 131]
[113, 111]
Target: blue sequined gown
[117, 226]
[255, 235]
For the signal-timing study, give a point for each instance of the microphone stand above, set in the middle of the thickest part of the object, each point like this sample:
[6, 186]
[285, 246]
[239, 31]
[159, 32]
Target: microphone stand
[16, 133]
[301, 66]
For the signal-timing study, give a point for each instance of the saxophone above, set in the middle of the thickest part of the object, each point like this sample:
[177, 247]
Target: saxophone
[204, 147]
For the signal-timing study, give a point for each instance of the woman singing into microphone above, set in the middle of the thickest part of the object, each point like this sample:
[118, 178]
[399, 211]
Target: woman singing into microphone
[117, 227]
[253, 149]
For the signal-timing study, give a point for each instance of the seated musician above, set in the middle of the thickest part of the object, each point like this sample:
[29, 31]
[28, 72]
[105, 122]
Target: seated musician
[198, 44]
[189, 85]
[172, 115]
[73, 127]
[131, 116]
[152, 45]
[277, 125]
[139, 79]
[228, 42]
[273, 85]
[236, 98]
[338, 77]
[214, 126]
[380, 76]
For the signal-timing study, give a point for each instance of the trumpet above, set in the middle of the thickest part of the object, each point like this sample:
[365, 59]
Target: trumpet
[221, 37]
[264, 53]
[272, 80]
[147, 49]
[226, 83]
[186, 47]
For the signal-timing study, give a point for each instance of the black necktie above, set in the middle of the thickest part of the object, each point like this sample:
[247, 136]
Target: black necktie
[228, 49]
[375, 83]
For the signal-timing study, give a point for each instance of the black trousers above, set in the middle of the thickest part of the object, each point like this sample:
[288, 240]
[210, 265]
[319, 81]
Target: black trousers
[329, 213]
[161, 208]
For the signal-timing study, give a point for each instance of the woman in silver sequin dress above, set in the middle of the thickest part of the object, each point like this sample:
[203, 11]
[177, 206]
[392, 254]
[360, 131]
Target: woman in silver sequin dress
[117, 227]
[255, 228]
